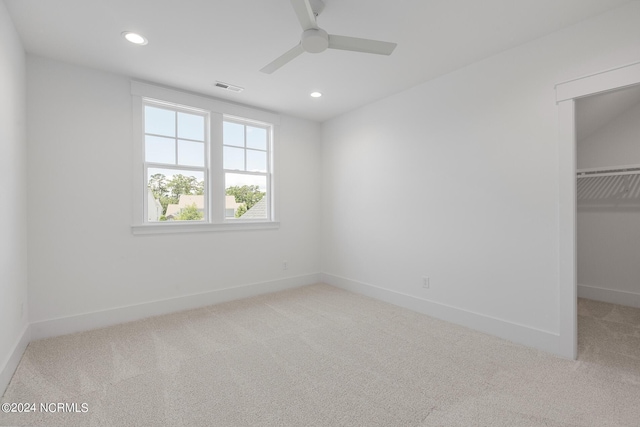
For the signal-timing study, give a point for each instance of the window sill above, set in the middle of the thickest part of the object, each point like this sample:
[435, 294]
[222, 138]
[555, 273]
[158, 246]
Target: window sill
[175, 228]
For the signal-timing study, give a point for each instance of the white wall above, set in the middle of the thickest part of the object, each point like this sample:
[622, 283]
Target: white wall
[608, 229]
[457, 179]
[84, 260]
[13, 223]
[614, 144]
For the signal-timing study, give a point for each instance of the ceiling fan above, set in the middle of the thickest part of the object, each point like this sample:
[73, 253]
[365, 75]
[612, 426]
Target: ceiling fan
[315, 40]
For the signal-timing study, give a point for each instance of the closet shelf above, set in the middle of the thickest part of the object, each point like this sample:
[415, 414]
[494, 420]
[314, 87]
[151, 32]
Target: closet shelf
[613, 184]
[609, 171]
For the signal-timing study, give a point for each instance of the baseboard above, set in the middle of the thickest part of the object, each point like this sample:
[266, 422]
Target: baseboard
[10, 365]
[101, 319]
[612, 296]
[522, 334]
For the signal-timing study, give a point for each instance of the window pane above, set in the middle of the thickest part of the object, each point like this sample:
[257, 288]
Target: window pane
[246, 196]
[190, 153]
[234, 158]
[256, 138]
[256, 161]
[190, 126]
[175, 195]
[160, 150]
[233, 134]
[159, 121]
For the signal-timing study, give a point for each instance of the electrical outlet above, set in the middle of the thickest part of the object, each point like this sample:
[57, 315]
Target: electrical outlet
[425, 282]
[285, 265]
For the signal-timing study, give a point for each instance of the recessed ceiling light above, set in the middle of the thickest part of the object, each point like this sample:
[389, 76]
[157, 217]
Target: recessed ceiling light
[316, 94]
[134, 38]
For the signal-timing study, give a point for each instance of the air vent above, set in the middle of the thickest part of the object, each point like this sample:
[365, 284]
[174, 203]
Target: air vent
[227, 86]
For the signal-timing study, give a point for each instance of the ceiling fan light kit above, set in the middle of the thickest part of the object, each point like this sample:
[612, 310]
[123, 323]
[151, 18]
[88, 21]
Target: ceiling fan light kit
[315, 40]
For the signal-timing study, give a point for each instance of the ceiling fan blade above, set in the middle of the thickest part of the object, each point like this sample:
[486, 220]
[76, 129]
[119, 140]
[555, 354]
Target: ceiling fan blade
[305, 14]
[283, 59]
[361, 45]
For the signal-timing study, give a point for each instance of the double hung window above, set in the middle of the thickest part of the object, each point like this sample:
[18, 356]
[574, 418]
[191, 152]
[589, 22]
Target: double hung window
[200, 167]
[176, 143]
[246, 168]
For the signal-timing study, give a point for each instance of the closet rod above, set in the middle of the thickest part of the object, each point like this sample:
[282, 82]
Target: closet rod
[609, 171]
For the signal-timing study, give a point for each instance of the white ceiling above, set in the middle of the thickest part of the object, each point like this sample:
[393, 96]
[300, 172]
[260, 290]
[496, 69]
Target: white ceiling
[193, 43]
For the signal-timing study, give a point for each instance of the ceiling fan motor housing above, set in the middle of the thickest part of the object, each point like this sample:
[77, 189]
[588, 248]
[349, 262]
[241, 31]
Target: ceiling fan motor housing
[315, 40]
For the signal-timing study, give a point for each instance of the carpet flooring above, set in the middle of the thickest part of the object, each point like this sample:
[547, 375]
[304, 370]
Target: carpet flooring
[321, 356]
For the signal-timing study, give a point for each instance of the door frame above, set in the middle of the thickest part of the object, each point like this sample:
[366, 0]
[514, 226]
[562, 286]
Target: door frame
[566, 95]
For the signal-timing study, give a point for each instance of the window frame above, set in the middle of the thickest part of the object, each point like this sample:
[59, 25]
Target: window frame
[205, 169]
[269, 153]
[217, 112]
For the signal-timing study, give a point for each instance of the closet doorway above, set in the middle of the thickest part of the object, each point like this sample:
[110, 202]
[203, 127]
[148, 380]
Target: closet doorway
[567, 95]
[608, 225]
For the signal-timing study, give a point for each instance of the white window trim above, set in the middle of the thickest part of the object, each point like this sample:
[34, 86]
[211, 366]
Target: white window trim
[268, 175]
[218, 110]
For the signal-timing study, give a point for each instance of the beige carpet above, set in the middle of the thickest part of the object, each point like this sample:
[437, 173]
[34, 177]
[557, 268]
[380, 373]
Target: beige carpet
[320, 356]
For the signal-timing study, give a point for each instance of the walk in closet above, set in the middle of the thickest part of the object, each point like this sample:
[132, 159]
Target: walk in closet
[608, 196]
